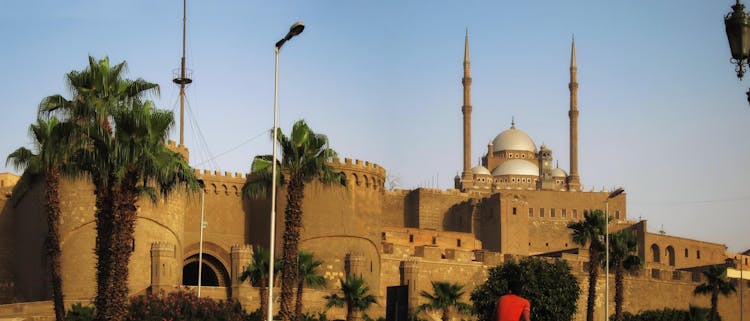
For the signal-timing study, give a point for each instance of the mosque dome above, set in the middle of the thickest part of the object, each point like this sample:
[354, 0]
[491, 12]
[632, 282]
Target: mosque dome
[516, 167]
[513, 139]
[558, 172]
[480, 170]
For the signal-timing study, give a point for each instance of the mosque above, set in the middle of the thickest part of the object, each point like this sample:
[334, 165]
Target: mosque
[514, 204]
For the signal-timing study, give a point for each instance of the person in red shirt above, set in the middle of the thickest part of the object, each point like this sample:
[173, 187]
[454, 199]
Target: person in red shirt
[511, 306]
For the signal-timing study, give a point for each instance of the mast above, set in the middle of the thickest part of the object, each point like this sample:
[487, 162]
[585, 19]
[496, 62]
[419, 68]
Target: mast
[183, 78]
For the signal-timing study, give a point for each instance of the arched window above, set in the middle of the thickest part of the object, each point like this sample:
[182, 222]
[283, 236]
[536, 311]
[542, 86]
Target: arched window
[670, 254]
[656, 253]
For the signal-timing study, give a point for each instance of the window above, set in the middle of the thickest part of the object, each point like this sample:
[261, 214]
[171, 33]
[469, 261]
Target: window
[656, 253]
[531, 212]
[686, 252]
[698, 254]
[564, 213]
[514, 211]
[382, 236]
[411, 238]
[575, 213]
[552, 212]
[541, 212]
[434, 240]
[523, 155]
[458, 242]
[617, 214]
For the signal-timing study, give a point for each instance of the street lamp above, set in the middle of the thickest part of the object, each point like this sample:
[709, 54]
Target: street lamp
[612, 195]
[738, 33]
[294, 30]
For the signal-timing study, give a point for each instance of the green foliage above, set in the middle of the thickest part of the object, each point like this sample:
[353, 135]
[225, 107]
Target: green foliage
[182, 306]
[666, 314]
[550, 287]
[320, 316]
[446, 297]
[79, 312]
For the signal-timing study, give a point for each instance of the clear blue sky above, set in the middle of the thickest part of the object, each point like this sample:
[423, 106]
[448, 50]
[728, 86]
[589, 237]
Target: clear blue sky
[662, 113]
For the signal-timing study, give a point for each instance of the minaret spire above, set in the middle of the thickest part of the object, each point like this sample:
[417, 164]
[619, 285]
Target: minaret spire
[466, 109]
[574, 181]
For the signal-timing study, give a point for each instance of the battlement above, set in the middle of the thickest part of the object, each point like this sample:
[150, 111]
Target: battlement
[207, 174]
[162, 248]
[357, 165]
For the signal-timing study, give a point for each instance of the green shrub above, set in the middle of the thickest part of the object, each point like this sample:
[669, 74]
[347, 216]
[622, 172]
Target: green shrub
[79, 312]
[182, 306]
[550, 287]
[666, 314]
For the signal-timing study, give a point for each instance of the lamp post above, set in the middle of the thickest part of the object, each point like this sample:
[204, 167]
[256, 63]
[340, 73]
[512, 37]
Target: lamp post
[294, 30]
[203, 226]
[737, 25]
[606, 250]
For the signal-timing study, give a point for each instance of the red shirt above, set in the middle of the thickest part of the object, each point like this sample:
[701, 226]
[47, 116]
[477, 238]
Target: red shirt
[511, 307]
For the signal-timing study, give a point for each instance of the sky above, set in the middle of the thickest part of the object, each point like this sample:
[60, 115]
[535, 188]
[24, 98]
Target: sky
[662, 112]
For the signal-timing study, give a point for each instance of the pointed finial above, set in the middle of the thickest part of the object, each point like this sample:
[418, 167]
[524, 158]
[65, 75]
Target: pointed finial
[573, 53]
[466, 46]
[557, 163]
[513, 122]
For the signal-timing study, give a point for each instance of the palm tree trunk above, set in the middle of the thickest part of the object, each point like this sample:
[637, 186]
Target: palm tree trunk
[350, 312]
[714, 305]
[293, 221]
[52, 195]
[298, 305]
[619, 289]
[125, 213]
[263, 297]
[593, 276]
[103, 248]
[446, 314]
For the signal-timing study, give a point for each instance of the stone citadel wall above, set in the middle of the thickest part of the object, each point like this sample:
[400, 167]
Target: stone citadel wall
[388, 237]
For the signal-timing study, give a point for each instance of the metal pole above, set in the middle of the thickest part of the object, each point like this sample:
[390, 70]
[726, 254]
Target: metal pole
[606, 261]
[273, 187]
[200, 249]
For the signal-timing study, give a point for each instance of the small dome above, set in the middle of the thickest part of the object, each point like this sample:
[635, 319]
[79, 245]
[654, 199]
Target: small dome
[513, 139]
[558, 172]
[480, 170]
[516, 167]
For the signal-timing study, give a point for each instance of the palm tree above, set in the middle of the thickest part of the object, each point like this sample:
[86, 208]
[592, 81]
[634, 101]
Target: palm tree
[144, 165]
[257, 274]
[308, 275]
[447, 296]
[591, 231]
[622, 247]
[50, 143]
[716, 283]
[356, 297]
[119, 159]
[304, 157]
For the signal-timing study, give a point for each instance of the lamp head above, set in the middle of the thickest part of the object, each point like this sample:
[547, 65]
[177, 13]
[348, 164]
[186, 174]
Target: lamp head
[616, 192]
[294, 30]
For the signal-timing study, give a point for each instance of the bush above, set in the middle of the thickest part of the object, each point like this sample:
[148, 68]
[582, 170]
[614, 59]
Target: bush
[79, 312]
[550, 287]
[182, 306]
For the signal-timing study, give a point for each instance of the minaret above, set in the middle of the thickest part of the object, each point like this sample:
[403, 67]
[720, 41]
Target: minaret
[574, 181]
[466, 109]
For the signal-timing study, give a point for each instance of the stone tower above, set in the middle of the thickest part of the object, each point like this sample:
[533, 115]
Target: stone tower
[466, 109]
[574, 181]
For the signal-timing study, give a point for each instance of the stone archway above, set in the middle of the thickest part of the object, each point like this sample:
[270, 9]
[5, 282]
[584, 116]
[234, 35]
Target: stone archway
[213, 272]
